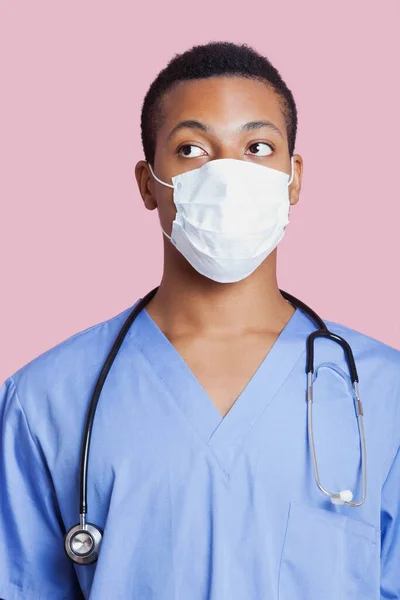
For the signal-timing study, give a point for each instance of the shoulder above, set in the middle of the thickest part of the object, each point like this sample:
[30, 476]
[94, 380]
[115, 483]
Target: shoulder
[378, 364]
[366, 347]
[378, 368]
[71, 364]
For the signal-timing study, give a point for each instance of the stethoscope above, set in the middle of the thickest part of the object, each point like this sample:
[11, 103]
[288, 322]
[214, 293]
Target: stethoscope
[82, 542]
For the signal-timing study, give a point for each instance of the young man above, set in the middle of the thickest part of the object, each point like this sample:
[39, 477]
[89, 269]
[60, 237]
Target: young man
[201, 483]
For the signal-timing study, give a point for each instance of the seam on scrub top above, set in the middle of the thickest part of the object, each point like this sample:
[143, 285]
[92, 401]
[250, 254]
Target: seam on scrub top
[339, 566]
[240, 444]
[395, 449]
[344, 528]
[52, 492]
[360, 579]
[171, 534]
[39, 451]
[26, 420]
[283, 549]
[100, 325]
[11, 585]
[342, 327]
[180, 410]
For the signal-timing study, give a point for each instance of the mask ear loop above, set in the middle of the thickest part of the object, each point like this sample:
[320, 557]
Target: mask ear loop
[169, 185]
[155, 177]
[291, 171]
[173, 187]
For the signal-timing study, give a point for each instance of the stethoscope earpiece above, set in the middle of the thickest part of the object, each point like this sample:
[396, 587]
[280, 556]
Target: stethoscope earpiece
[82, 543]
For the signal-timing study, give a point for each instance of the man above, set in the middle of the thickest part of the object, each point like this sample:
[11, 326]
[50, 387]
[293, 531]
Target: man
[200, 481]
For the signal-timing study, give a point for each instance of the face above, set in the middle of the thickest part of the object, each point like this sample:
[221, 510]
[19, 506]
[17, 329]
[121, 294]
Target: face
[213, 118]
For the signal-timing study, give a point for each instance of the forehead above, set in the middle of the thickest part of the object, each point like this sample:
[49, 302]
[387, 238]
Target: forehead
[223, 102]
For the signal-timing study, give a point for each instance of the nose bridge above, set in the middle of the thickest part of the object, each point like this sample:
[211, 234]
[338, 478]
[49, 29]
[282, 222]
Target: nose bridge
[228, 154]
[227, 148]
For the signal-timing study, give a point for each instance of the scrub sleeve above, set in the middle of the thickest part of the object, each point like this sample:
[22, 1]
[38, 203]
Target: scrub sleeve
[33, 564]
[390, 532]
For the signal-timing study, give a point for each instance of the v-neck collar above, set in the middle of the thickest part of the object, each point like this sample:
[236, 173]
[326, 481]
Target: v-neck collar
[222, 434]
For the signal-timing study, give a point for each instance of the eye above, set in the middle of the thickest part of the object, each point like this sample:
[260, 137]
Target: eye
[261, 148]
[185, 150]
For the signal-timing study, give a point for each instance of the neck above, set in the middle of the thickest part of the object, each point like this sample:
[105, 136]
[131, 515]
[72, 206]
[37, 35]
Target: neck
[188, 303]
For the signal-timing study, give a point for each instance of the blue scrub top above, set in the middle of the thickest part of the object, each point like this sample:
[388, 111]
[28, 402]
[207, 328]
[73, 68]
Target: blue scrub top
[195, 506]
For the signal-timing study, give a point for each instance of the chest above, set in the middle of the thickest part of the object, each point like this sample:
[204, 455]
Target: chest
[175, 500]
[224, 368]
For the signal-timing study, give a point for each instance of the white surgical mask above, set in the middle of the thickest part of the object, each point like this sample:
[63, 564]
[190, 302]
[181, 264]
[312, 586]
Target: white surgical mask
[230, 215]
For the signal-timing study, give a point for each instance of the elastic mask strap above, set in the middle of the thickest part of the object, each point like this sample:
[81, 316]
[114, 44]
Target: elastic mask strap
[173, 187]
[166, 234]
[292, 171]
[163, 182]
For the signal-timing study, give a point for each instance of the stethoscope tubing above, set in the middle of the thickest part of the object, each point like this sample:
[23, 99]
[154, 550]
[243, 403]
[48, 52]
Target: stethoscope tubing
[322, 331]
[96, 395]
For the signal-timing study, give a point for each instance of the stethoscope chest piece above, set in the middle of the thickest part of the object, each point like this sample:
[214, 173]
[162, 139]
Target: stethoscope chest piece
[82, 543]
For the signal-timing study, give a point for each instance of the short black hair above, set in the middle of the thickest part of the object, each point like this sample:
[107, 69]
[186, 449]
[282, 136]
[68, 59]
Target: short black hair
[208, 60]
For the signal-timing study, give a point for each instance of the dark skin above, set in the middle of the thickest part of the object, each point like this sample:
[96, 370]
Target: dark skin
[222, 330]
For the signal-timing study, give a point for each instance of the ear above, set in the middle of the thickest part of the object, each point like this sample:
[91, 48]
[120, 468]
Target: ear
[295, 186]
[145, 182]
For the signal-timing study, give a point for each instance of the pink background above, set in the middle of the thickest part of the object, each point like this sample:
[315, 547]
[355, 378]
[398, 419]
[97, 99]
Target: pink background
[77, 245]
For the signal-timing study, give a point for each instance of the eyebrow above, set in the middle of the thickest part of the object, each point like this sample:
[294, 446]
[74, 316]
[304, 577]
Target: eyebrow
[250, 126]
